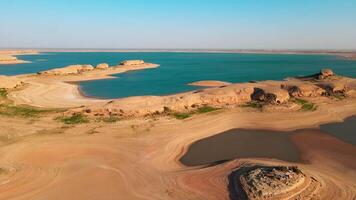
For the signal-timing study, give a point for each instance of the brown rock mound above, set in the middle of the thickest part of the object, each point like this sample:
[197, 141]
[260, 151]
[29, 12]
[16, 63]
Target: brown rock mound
[270, 94]
[325, 73]
[271, 182]
[303, 89]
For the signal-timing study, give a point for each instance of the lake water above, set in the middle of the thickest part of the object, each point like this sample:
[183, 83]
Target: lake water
[178, 69]
[237, 143]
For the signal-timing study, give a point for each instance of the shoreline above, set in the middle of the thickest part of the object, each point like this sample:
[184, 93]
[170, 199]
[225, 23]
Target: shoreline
[343, 53]
[64, 91]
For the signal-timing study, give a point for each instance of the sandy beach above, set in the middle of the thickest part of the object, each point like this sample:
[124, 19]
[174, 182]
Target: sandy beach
[138, 157]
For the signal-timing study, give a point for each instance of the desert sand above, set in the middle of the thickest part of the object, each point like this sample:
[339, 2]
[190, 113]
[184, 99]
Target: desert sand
[138, 157]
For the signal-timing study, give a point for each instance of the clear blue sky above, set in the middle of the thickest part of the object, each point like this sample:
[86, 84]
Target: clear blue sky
[234, 24]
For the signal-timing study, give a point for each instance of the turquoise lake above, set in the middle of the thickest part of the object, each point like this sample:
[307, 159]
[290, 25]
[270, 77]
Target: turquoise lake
[178, 69]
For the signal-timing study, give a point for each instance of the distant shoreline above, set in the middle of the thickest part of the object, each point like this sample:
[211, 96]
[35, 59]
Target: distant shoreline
[348, 54]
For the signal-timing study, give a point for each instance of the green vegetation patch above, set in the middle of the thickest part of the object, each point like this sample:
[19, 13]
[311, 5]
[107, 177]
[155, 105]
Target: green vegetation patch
[20, 111]
[206, 109]
[306, 105]
[3, 93]
[201, 110]
[338, 96]
[182, 115]
[76, 118]
[253, 104]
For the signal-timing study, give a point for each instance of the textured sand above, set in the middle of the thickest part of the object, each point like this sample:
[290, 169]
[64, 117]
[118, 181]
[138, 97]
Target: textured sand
[138, 159]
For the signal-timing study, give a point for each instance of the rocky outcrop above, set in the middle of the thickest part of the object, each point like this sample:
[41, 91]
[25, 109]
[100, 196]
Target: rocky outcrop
[150, 105]
[303, 89]
[272, 182]
[325, 73]
[270, 94]
[69, 70]
[132, 62]
[102, 66]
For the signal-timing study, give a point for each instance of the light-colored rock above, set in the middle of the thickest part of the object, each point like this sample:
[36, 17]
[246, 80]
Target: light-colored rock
[303, 89]
[102, 66]
[325, 73]
[132, 62]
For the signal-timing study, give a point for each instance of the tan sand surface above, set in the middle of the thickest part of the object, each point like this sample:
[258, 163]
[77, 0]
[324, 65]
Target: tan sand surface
[209, 83]
[138, 159]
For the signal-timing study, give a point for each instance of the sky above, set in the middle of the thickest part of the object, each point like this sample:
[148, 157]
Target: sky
[172, 24]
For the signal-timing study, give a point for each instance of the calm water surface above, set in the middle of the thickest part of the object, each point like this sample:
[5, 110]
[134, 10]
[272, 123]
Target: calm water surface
[237, 143]
[178, 69]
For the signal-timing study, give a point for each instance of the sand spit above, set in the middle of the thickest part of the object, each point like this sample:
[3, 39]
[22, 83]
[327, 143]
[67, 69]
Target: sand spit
[55, 89]
[210, 83]
[9, 59]
[9, 56]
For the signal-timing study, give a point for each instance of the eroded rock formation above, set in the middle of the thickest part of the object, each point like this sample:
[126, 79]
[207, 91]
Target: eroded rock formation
[272, 94]
[132, 62]
[102, 66]
[272, 182]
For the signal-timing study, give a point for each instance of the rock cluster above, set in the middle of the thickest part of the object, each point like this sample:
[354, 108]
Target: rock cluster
[268, 182]
[79, 69]
[303, 89]
[325, 73]
[271, 94]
